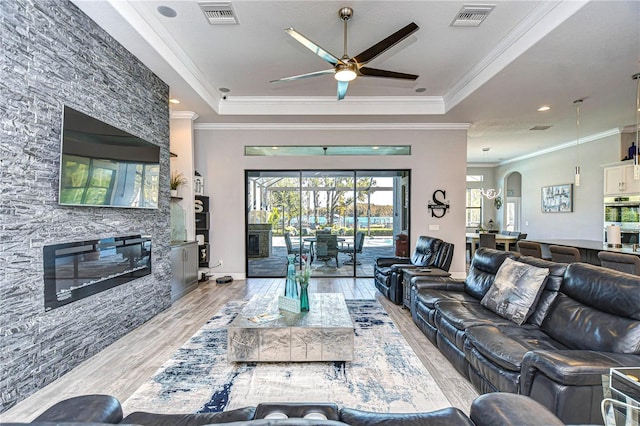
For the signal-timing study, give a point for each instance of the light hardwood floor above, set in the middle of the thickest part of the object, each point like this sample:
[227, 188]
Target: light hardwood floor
[125, 365]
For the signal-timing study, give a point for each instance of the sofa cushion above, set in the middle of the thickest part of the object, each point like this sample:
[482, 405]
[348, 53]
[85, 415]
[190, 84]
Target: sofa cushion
[551, 287]
[579, 326]
[426, 250]
[483, 269]
[463, 315]
[515, 290]
[192, 419]
[603, 289]
[506, 346]
[429, 297]
[442, 417]
[507, 409]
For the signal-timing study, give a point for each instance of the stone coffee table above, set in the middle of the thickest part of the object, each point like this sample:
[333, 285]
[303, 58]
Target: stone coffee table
[325, 333]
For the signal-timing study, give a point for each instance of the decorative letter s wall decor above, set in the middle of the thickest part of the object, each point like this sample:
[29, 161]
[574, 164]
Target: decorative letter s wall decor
[438, 207]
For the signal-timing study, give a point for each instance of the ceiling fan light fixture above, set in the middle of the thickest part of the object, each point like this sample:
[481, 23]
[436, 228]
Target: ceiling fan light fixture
[345, 72]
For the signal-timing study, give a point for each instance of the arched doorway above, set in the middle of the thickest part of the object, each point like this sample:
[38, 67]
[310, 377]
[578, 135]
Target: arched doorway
[512, 213]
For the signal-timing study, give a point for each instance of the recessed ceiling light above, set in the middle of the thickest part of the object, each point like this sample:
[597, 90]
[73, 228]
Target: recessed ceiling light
[421, 89]
[375, 147]
[544, 108]
[174, 101]
[224, 90]
[167, 11]
[274, 147]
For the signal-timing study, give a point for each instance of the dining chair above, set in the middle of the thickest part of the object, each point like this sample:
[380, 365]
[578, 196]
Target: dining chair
[327, 248]
[565, 254]
[487, 240]
[529, 248]
[294, 250]
[628, 263]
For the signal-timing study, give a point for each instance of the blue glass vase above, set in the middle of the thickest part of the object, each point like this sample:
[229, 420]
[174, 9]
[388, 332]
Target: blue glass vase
[291, 288]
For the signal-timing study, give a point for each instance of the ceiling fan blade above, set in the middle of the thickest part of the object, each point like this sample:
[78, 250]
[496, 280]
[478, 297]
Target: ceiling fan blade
[313, 47]
[307, 75]
[387, 43]
[373, 72]
[342, 89]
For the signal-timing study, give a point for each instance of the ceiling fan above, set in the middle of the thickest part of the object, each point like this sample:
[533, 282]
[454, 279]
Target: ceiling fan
[348, 68]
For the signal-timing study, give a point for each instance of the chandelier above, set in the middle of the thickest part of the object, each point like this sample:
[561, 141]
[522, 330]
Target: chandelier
[490, 193]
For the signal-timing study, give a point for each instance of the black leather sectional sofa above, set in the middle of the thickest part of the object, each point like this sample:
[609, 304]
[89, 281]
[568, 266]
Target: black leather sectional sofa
[487, 410]
[586, 320]
[429, 253]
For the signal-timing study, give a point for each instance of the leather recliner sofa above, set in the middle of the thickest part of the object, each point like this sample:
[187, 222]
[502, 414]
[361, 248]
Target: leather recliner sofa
[486, 410]
[587, 320]
[429, 253]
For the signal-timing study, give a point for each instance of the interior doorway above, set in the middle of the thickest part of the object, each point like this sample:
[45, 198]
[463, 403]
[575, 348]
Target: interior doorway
[512, 216]
[290, 212]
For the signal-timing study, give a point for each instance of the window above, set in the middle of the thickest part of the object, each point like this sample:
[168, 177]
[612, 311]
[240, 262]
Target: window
[474, 207]
[475, 178]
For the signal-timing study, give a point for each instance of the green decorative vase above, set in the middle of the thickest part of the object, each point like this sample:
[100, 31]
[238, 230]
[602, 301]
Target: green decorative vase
[304, 297]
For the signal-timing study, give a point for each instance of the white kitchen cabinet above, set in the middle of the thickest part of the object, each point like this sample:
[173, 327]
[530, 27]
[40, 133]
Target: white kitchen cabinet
[619, 180]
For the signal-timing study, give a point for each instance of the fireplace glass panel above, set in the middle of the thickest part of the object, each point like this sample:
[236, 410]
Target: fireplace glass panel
[80, 269]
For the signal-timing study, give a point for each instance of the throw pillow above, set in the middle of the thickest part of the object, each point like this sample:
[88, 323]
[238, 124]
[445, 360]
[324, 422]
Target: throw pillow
[515, 290]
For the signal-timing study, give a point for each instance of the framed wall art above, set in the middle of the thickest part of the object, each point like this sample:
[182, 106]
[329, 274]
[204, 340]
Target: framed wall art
[557, 198]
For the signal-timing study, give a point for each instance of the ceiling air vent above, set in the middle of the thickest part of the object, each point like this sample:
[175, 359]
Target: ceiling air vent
[218, 13]
[472, 15]
[540, 128]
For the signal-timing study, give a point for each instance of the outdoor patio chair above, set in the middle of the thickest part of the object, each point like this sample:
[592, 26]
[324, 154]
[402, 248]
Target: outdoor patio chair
[348, 248]
[297, 250]
[327, 248]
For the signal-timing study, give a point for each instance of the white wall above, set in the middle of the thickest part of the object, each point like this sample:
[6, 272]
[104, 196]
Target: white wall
[586, 220]
[438, 161]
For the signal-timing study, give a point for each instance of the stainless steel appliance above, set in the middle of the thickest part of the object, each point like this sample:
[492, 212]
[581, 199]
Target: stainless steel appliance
[623, 211]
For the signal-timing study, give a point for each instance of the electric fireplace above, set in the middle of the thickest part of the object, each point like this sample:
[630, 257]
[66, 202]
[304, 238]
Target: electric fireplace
[76, 270]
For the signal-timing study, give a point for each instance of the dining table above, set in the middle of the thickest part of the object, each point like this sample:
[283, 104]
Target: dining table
[474, 238]
[312, 241]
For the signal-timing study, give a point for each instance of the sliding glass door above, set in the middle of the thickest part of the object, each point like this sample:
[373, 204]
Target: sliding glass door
[338, 221]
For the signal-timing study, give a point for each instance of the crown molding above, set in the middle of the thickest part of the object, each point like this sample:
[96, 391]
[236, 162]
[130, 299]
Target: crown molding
[327, 105]
[184, 114]
[566, 145]
[332, 126]
[546, 17]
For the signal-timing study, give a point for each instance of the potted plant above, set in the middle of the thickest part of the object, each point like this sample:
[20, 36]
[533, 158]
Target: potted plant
[177, 180]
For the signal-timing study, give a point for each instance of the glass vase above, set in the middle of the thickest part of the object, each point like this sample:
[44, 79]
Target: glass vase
[304, 297]
[291, 288]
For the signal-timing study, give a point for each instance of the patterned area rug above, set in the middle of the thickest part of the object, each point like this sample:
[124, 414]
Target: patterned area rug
[386, 376]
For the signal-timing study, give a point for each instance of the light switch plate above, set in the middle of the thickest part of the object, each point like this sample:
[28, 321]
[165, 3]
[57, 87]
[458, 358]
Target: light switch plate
[434, 227]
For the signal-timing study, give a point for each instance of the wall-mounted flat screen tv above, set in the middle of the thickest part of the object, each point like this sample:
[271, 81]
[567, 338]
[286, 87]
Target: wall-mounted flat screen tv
[106, 167]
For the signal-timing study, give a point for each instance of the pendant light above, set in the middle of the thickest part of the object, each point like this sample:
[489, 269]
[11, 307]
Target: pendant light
[636, 166]
[577, 103]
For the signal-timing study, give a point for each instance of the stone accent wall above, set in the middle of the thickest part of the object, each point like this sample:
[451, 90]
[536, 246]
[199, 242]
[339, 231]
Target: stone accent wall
[53, 54]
